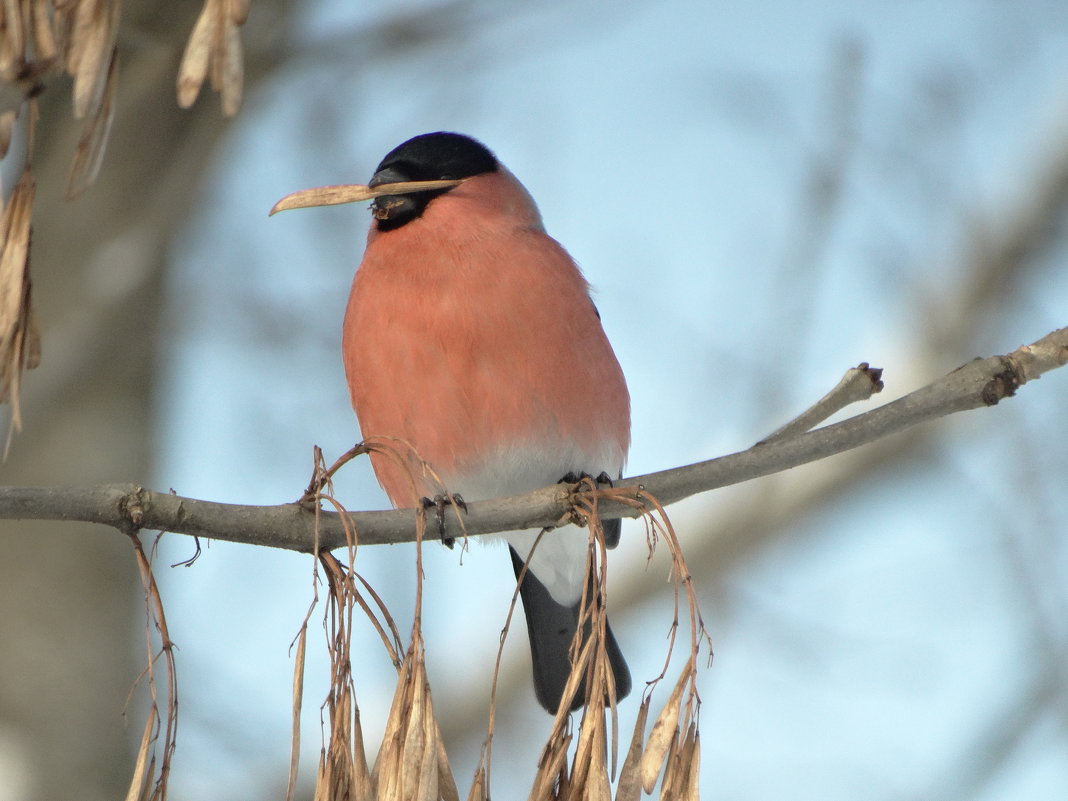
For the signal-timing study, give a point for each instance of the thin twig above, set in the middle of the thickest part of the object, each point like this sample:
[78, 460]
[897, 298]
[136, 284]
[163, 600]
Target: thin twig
[858, 384]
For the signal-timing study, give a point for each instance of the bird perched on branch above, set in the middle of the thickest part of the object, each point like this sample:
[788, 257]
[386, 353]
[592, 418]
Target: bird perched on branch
[470, 335]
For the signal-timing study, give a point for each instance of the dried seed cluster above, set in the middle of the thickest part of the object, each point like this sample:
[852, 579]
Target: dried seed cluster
[42, 39]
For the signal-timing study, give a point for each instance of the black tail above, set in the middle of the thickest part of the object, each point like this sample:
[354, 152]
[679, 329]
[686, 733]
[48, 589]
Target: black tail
[552, 627]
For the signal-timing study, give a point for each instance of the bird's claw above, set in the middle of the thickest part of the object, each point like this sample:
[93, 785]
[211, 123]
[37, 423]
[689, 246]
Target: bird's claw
[571, 477]
[439, 502]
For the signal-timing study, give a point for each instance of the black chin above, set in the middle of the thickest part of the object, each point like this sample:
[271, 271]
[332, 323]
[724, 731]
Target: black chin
[393, 211]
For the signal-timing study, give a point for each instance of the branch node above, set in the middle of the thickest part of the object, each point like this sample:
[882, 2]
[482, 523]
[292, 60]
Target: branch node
[1003, 384]
[132, 510]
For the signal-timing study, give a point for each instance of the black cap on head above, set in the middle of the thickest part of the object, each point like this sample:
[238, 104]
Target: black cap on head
[429, 157]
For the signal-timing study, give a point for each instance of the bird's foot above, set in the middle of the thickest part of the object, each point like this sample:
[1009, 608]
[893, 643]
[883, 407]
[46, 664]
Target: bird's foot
[571, 477]
[439, 502]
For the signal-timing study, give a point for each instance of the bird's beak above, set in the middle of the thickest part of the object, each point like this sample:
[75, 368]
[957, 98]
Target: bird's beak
[354, 193]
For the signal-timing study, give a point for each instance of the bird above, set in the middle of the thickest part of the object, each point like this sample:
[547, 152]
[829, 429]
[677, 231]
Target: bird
[471, 336]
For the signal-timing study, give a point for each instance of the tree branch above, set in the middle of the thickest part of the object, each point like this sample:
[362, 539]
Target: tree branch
[982, 382]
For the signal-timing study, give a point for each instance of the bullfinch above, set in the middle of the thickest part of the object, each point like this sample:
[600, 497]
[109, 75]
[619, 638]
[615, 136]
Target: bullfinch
[471, 337]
